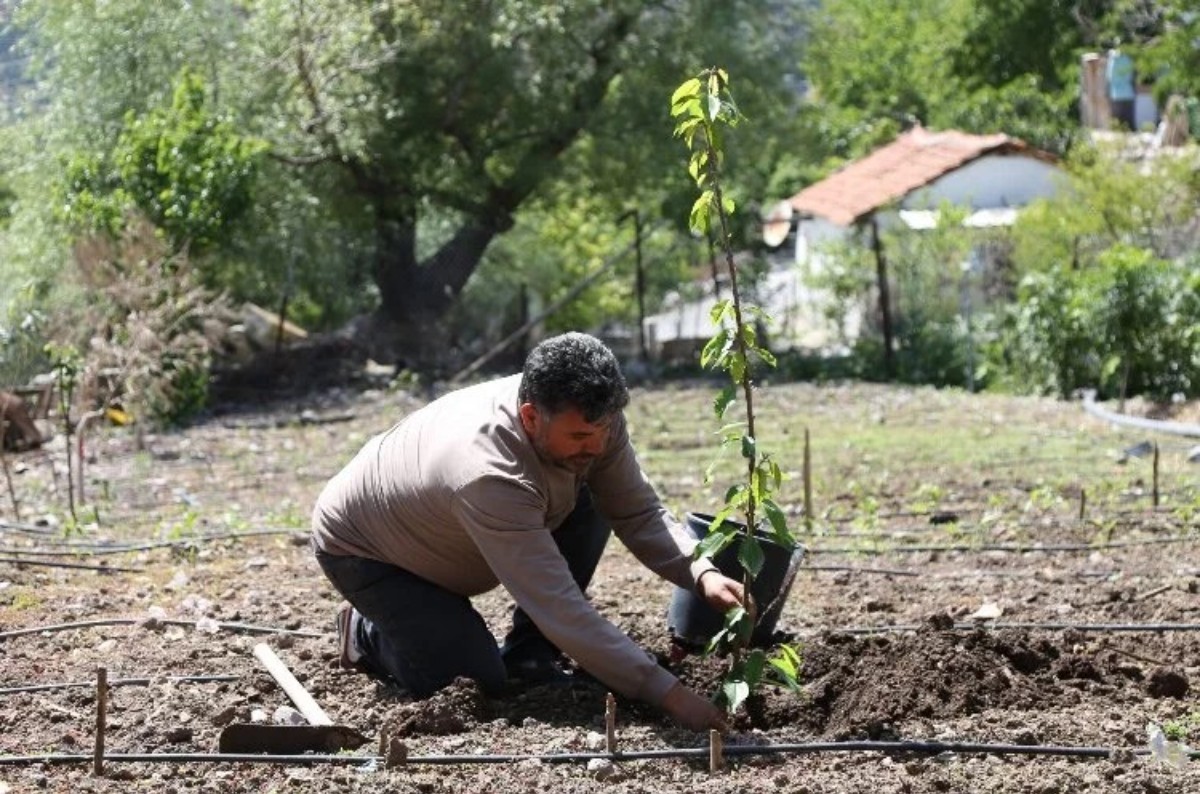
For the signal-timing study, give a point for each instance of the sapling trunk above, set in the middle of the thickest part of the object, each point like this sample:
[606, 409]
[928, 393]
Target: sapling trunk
[746, 386]
[702, 104]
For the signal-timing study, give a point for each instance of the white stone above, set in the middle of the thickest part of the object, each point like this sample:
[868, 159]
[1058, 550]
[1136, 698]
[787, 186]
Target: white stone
[286, 715]
[602, 768]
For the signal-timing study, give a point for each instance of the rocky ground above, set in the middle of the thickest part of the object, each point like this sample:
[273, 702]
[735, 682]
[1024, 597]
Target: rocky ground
[950, 597]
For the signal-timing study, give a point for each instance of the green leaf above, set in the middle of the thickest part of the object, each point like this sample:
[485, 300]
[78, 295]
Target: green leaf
[786, 664]
[775, 472]
[686, 89]
[735, 693]
[712, 544]
[736, 496]
[750, 555]
[714, 106]
[685, 129]
[737, 366]
[749, 448]
[767, 356]
[699, 220]
[714, 348]
[718, 522]
[752, 667]
[749, 335]
[778, 521]
[719, 311]
[726, 398]
[739, 622]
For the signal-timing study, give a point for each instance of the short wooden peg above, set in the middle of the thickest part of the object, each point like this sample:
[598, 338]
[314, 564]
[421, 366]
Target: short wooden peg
[610, 723]
[101, 710]
[1154, 493]
[716, 751]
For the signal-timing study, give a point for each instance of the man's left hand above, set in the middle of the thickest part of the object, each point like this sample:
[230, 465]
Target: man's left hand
[721, 592]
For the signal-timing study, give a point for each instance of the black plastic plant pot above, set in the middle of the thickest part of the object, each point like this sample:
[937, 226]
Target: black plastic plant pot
[693, 622]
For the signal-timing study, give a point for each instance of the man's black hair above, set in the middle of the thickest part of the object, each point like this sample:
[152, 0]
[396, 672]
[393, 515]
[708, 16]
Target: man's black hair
[577, 371]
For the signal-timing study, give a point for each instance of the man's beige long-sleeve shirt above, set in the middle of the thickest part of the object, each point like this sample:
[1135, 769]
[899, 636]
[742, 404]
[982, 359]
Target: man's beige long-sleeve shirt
[457, 494]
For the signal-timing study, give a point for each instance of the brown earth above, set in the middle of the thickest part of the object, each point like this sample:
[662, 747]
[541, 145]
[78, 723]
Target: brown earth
[939, 677]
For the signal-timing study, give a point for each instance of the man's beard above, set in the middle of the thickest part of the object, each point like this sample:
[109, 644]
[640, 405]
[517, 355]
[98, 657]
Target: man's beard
[573, 463]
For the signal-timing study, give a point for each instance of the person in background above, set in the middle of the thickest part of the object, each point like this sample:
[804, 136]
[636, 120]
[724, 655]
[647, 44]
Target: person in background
[515, 482]
[1122, 93]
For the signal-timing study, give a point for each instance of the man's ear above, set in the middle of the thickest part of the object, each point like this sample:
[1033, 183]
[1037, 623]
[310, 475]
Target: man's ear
[530, 417]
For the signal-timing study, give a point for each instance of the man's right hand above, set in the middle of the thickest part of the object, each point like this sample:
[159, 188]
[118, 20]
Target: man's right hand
[693, 711]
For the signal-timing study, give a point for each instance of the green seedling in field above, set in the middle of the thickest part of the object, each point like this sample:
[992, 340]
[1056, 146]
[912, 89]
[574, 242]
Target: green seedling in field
[703, 107]
[927, 498]
[1181, 730]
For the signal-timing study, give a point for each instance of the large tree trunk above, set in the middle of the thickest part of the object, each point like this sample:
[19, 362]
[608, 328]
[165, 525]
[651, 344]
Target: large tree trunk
[408, 328]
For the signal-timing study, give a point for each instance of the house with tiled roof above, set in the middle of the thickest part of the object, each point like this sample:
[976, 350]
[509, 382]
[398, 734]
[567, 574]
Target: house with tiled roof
[904, 181]
[989, 177]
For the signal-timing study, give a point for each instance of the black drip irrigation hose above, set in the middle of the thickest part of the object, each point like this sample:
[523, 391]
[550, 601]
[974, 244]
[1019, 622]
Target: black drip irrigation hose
[29, 529]
[1017, 548]
[899, 747]
[852, 569]
[174, 679]
[76, 565]
[88, 549]
[244, 628]
[978, 574]
[1101, 628]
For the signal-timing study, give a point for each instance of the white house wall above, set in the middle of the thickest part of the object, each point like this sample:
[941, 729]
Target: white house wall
[812, 234]
[990, 181]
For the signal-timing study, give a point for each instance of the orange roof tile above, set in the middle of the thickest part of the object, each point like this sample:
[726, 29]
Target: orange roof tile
[914, 159]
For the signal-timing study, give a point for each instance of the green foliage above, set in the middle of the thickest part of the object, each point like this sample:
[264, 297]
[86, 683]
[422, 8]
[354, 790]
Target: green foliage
[703, 107]
[185, 169]
[1126, 326]
[1107, 298]
[22, 351]
[979, 66]
[404, 137]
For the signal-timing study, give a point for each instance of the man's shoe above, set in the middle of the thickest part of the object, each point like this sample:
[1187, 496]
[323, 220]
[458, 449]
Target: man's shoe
[350, 656]
[541, 665]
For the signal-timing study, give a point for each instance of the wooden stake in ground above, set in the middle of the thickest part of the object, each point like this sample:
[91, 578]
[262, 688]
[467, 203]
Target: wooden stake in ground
[101, 709]
[1154, 492]
[808, 507]
[12, 491]
[1082, 503]
[716, 751]
[610, 723]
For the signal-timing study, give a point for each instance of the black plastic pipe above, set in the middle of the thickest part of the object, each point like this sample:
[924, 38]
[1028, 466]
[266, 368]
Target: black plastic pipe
[907, 747]
[55, 564]
[1019, 548]
[244, 628]
[76, 549]
[1112, 628]
[190, 679]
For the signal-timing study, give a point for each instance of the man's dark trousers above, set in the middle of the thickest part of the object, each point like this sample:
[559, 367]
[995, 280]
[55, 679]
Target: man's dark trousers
[424, 636]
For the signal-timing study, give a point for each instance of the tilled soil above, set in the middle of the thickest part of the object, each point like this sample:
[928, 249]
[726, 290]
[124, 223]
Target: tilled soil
[1094, 641]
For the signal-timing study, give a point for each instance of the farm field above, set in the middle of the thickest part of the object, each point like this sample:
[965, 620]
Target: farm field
[988, 576]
